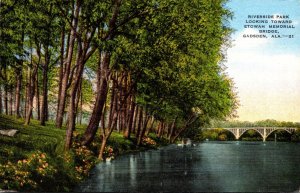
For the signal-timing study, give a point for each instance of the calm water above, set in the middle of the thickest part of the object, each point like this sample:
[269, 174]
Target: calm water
[209, 166]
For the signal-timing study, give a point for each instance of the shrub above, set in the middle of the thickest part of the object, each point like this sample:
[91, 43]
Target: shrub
[148, 141]
[84, 160]
[27, 174]
[222, 137]
[109, 152]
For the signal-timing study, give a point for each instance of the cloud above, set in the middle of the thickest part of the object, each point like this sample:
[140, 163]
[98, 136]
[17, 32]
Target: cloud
[246, 43]
[267, 81]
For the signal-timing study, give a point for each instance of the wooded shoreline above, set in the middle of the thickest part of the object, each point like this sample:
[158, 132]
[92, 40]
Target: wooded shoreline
[145, 71]
[34, 160]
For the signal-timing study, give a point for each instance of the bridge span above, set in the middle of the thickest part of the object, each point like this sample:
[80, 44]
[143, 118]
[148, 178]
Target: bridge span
[263, 131]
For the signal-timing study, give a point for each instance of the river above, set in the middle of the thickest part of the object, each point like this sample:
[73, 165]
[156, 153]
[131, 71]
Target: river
[205, 167]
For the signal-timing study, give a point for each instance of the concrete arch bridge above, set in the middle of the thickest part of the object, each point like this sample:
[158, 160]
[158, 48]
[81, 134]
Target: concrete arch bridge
[263, 131]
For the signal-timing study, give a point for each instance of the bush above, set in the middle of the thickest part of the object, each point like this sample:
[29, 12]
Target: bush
[296, 136]
[28, 174]
[222, 137]
[109, 152]
[84, 159]
[147, 141]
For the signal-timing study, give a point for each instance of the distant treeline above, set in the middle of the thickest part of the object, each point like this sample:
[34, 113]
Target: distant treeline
[262, 123]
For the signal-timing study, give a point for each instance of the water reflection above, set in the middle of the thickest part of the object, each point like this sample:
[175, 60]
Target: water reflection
[209, 167]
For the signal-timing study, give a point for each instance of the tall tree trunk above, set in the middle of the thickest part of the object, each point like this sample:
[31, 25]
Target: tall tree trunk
[144, 126]
[1, 107]
[139, 126]
[37, 97]
[100, 100]
[128, 128]
[44, 105]
[25, 99]
[11, 100]
[61, 67]
[71, 120]
[81, 108]
[102, 91]
[6, 98]
[78, 101]
[118, 125]
[172, 130]
[122, 100]
[19, 78]
[135, 118]
[191, 119]
[111, 125]
[74, 92]
[160, 129]
[5, 91]
[30, 86]
[103, 119]
[163, 131]
[18, 90]
[167, 130]
[30, 95]
[149, 129]
[65, 79]
[113, 98]
[102, 148]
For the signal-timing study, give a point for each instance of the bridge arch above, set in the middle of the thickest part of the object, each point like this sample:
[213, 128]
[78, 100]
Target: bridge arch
[257, 131]
[276, 129]
[238, 132]
[231, 131]
[263, 131]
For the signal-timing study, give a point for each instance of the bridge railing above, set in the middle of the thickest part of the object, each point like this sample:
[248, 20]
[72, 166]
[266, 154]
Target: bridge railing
[263, 131]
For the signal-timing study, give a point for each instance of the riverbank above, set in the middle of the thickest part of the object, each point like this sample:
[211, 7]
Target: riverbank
[34, 160]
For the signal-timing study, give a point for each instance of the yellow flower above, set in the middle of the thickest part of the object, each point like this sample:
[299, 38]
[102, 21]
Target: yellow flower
[43, 156]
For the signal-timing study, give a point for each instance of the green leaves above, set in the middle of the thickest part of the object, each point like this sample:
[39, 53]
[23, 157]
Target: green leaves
[171, 49]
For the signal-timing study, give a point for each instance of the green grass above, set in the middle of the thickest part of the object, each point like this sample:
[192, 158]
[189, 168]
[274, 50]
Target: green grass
[35, 138]
[30, 138]
[120, 144]
[50, 140]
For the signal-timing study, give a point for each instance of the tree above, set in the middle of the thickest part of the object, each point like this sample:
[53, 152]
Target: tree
[150, 64]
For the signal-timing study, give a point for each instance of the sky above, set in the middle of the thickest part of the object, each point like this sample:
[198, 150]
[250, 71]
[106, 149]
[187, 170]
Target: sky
[266, 71]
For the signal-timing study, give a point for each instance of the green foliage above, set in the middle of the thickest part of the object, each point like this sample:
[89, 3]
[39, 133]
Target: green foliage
[28, 174]
[296, 136]
[222, 137]
[175, 60]
[29, 138]
[172, 50]
[35, 141]
[119, 144]
[214, 134]
[251, 135]
[84, 160]
[159, 141]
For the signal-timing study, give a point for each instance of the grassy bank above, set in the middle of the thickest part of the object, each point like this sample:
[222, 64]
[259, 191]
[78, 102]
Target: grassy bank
[34, 159]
